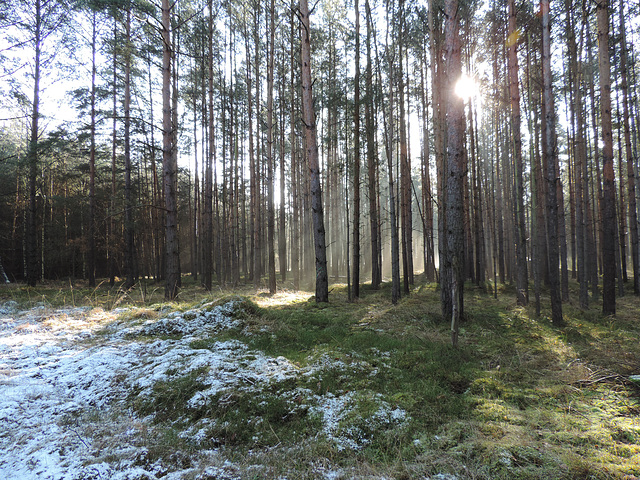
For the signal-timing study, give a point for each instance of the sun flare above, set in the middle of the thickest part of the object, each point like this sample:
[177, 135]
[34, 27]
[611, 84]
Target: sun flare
[467, 88]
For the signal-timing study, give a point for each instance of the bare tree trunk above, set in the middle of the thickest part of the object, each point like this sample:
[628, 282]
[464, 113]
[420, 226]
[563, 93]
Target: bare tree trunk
[111, 248]
[631, 178]
[537, 217]
[256, 196]
[207, 270]
[356, 160]
[296, 186]
[609, 206]
[456, 171]
[33, 267]
[427, 202]
[597, 238]
[405, 165]
[522, 275]
[393, 219]
[270, 156]
[550, 160]
[156, 193]
[393, 214]
[196, 227]
[580, 169]
[129, 255]
[439, 128]
[169, 162]
[322, 281]
[282, 229]
[376, 268]
[175, 49]
[91, 260]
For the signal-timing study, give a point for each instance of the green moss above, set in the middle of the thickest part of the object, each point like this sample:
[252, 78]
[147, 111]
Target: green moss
[169, 398]
[262, 419]
[519, 399]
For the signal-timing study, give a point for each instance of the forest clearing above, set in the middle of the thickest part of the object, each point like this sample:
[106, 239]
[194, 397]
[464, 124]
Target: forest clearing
[238, 384]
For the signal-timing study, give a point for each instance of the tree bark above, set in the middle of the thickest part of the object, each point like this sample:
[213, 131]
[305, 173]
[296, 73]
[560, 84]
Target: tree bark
[631, 177]
[91, 250]
[33, 267]
[580, 168]
[389, 131]
[609, 206]
[282, 229]
[550, 153]
[207, 267]
[405, 165]
[111, 233]
[522, 275]
[356, 161]
[427, 202]
[296, 187]
[129, 254]
[456, 171]
[376, 269]
[169, 165]
[308, 113]
[270, 156]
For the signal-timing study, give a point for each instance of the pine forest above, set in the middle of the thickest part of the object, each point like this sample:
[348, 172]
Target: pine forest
[286, 145]
[328, 240]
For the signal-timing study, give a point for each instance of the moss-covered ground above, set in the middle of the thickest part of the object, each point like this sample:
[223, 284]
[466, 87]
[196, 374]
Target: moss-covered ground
[518, 399]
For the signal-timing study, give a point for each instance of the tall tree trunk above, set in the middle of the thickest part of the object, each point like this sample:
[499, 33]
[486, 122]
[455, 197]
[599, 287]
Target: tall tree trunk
[282, 230]
[427, 202]
[91, 250]
[156, 191]
[33, 267]
[522, 276]
[196, 227]
[270, 156]
[405, 165]
[393, 216]
[609, 205]
[175, 48]
[439, 129]
[389, 131]
[296, 185]
[537, 206]
[207, 257]
[308, 114]
[111, 234]
[356, 160]
[456, 171]
[256, 196]
[597, 238]
[129, 254]
[631, 177]
[580, 169]
[376, 268]
[550, 161]
[169, 166]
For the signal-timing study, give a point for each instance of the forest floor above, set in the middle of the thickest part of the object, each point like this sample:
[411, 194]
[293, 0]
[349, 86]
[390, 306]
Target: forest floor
[101, 384]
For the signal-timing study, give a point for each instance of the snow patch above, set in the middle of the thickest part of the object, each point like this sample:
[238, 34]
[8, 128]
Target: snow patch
[65, 375]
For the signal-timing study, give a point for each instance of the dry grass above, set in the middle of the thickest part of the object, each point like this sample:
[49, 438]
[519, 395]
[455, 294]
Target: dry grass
[518, 399]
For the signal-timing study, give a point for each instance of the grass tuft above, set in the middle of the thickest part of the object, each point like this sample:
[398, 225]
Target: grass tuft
[519, 399]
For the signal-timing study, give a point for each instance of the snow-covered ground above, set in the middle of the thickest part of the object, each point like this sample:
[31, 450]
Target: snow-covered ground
[65, 375]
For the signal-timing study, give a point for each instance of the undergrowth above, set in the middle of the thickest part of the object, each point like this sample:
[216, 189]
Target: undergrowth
[518, 399]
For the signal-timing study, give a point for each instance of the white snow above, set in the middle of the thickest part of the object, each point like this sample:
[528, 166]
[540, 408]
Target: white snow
[65, 374]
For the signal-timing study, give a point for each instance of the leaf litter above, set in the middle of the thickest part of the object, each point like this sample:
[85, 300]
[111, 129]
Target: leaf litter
[67, 377]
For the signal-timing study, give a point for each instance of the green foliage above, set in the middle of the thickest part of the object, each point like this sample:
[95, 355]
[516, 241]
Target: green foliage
[518, 399]
[169, 398]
